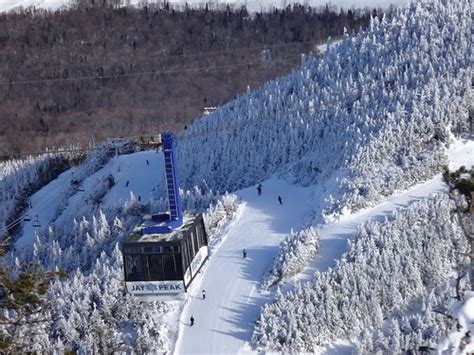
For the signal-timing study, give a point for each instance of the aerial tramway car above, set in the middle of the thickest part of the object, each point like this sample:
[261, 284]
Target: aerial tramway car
[163, 255]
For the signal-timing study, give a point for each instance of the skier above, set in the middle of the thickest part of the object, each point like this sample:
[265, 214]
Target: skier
[126, 184]
[192, 320]
[147, 162]
[259, 189]
[280, 200]
[203, 294]
[244, 253]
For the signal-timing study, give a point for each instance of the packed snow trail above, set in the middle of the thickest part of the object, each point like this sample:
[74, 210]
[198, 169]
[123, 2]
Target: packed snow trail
[224, 321]
[334, 236]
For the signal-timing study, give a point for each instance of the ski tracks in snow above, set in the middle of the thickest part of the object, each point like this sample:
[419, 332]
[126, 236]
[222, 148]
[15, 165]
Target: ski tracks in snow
[224, 321]
[334, 236]
[226, 318]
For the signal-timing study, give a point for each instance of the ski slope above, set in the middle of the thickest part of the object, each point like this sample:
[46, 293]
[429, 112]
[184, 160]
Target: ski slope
[224, 321]
[53, 204]
[334, 236]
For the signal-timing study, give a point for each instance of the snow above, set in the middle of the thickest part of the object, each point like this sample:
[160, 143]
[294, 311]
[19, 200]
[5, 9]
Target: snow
[461, 152]
[466, 313]
[133, 168]
[252, 5]
[44, 205]
[334, 236]
[6, 5]
[224, 321]
[339, 347]
[324, 47]
[49, 204]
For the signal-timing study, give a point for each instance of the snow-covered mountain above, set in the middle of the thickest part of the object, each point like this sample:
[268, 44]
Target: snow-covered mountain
[368, 118]
[375, 115]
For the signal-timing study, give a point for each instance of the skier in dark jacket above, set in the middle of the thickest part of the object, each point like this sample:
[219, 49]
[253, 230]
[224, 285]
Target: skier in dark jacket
[280, 200]
[259, 189]
[244, 253]
[203, 294]
[192, 320]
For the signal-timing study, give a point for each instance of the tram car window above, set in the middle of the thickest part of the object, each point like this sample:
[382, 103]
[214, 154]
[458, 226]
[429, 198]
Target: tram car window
[167, 263]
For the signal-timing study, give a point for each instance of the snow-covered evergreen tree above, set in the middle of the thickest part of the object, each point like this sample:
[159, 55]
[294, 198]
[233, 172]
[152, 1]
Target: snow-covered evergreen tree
[374, 111]
[419, 331]
[370, 117]
[91, 309]
[294, 254]
[19, 178]
[389, 265]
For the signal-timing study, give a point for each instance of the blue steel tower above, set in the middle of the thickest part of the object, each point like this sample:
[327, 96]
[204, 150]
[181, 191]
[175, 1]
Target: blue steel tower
[174, 200]
[174, 219]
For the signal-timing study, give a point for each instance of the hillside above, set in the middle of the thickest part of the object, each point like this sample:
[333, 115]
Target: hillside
[92, 299]
[368, 118]
[358, 256]
[300, 321]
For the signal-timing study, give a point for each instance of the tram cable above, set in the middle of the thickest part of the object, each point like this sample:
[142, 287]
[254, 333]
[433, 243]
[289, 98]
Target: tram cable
[149, 73]
[179, 138]
[180, 135]
[184, 136]
[94, 66]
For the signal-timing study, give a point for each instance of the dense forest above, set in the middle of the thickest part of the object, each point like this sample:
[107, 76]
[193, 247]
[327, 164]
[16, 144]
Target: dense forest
[101, 69]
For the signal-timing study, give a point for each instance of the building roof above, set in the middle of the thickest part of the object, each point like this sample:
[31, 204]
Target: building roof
[137, 235]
